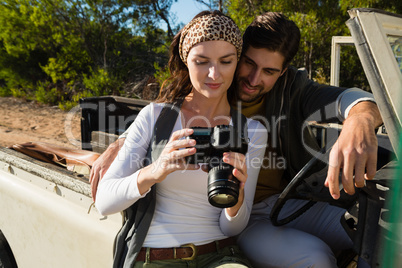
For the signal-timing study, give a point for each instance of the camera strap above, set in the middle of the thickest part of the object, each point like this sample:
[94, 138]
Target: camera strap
[163, 128]
[239, 121]
[138, 217]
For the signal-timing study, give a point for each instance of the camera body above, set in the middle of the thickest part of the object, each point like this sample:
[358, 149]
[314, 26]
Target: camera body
[211, 143]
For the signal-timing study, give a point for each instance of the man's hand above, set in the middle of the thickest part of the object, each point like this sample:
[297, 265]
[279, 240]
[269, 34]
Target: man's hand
[102, 164]
[354, 154]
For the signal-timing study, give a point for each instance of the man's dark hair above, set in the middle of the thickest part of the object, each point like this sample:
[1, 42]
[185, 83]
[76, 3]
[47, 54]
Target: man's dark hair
[275, 32]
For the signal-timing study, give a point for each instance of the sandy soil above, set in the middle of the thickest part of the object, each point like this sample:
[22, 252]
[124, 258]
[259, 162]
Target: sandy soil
[23, 121]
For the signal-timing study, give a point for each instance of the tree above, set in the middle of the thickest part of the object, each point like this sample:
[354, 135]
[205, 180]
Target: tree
[318, 22]
[55, 49]
[212, 4]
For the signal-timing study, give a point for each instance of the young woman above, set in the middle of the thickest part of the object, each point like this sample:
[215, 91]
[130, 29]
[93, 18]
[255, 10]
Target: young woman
[185, 228]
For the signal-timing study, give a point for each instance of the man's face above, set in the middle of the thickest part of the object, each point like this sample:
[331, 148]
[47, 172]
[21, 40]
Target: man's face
[257, 73]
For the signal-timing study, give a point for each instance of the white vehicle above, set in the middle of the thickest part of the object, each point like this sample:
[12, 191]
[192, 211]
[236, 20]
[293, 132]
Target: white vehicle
[47, 213]
[47, 218]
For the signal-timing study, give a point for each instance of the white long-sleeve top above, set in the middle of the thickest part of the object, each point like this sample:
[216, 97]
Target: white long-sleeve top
[183, 213]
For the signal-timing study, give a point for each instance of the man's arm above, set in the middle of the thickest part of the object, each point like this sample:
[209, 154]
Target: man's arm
[354, 154]
[102, 164]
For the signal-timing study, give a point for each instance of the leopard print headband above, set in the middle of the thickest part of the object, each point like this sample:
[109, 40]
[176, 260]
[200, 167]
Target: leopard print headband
[209, 28]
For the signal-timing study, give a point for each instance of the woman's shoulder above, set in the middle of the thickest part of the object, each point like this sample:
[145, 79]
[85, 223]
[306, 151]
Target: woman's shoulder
[254, 124]
[152, 108]
[153, 105]
[157, 105]
[256, 130]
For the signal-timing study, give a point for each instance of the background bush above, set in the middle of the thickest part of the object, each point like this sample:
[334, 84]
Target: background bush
[57, 51]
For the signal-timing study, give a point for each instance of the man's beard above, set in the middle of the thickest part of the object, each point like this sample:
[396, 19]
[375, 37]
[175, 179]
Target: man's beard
[244, 97]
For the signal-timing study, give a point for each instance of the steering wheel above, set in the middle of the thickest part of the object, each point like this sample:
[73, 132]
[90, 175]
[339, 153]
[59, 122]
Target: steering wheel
[309, 186]
[366, 204]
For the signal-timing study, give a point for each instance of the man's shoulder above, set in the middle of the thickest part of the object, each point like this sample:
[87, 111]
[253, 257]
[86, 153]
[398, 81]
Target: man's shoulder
[298, 79]
[297, 73]
[294, 79]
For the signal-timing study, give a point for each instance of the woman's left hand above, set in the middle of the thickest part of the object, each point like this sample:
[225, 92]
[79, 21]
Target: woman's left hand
[238, 161]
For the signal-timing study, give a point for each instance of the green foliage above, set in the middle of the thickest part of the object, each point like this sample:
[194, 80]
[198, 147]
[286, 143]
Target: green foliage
[58, 69]
[69, 104]
[318, 22]
[396, 46]
[394, 6]
[351, 70]
[18, 92]
[46, 93]
[5, 92]
[161, 74]
[101, 83]
[241, 12]
[55, 51]
[60, 50]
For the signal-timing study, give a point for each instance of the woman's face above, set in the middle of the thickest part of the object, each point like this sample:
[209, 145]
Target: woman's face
[211, 66]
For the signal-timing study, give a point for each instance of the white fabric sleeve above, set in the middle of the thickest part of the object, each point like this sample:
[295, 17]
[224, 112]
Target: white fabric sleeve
[125, 133]
[118, 189]
[349, 98]
[258, 136]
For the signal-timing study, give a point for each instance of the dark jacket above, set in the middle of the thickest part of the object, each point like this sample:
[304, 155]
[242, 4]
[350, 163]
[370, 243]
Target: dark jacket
[298, 99]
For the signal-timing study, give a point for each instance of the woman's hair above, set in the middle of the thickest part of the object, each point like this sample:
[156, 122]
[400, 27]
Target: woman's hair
[178, 85]
[275, 32]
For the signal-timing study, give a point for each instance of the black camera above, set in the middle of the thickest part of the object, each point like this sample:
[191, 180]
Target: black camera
[211, 143]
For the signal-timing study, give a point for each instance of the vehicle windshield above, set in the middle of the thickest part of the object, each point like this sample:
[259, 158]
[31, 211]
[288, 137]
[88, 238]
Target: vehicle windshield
[381, 57]
[381, 34]
[396, 47]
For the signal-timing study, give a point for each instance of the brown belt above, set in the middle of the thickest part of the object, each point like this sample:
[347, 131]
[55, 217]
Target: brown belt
[185, 252]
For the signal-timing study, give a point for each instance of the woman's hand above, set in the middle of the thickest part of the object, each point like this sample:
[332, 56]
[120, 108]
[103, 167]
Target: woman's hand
[238, 161]
[171, 159]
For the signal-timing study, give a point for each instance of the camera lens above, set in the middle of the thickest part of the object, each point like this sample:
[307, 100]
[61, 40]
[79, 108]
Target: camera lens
[223, 187]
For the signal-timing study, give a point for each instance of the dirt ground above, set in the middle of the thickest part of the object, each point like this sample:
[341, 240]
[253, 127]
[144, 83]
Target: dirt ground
[23, 121]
